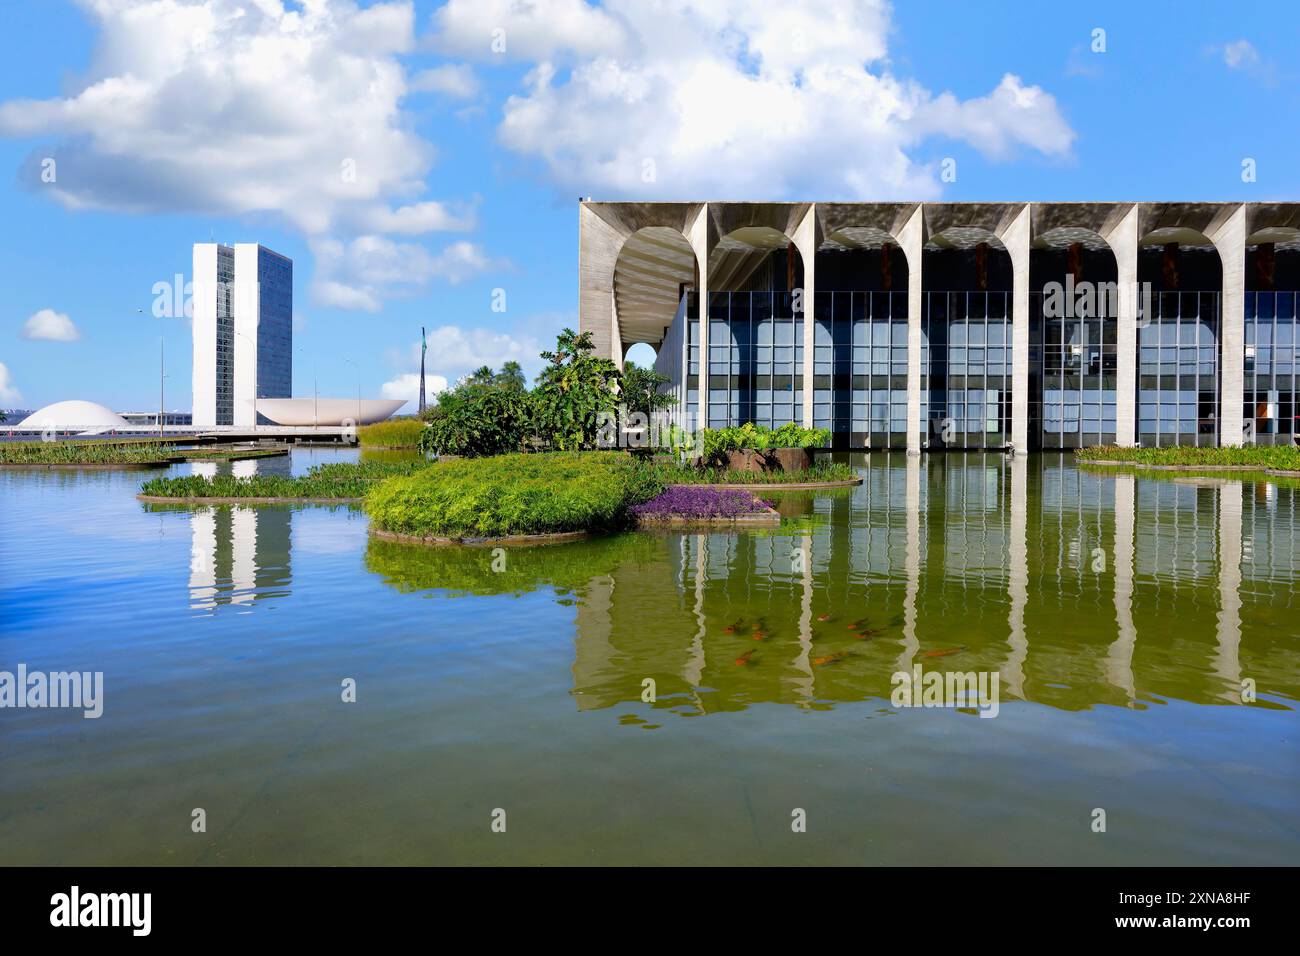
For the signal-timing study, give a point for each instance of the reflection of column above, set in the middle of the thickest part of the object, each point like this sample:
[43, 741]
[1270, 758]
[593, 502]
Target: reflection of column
[805, 240]
[694, 670]
[1013, 671]
[1119, 657]
[805, 685]
[1229, 237]
[203, 558]
[1227, 662]
[911, 561]
[1123, 241]
[911, 238]
[243, 554]
[593, 650]
[1016, 239]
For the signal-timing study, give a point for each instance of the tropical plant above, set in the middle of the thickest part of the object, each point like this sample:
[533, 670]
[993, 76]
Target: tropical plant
[572, 393]
[478, 419]
[640, 390]
[511, 376]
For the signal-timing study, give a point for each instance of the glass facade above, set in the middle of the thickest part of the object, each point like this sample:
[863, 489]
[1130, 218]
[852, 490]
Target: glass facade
[225, 336]
[1271, 362]
[274, 326]
[968, 343]
[1178, 370]
[860, 367]
[1073, 367]
[755, 359]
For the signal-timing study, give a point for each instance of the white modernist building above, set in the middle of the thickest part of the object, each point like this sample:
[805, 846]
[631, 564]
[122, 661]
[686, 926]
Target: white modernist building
[243, 331]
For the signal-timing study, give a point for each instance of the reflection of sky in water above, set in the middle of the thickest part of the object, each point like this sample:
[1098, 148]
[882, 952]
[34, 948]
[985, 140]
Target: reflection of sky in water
[1121, 615]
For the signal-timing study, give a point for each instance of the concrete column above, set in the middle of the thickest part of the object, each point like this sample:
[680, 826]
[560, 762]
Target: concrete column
[599, 244]
[697, 234]
[1229, 237]
[1123, 241]
[1016, 238]
[805, 240]
[911, 238]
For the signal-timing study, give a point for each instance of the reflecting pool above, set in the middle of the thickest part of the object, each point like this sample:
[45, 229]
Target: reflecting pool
[664, 697]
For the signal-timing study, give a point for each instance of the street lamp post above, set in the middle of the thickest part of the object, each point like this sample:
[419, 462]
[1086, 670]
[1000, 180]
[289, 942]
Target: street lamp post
[358, 368]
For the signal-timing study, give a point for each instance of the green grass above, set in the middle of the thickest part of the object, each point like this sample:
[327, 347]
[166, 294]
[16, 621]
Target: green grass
[1284, 457]
[394, 433]
[675, 474]
[335, 480]
[85, 453]
[513, 494]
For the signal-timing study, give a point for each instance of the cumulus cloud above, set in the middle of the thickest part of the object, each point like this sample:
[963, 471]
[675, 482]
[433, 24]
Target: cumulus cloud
[50, 326]
[456, 80]
[361, 273]
[455, 351]
[732, 99]
[8, 390]
[407, 387]
[236, 108]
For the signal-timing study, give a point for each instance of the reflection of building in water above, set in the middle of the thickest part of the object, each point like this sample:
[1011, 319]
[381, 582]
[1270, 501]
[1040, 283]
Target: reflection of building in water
[1067, 584]
[238, 555]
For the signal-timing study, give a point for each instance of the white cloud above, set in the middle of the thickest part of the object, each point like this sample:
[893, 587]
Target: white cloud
[455, 351]
[8, 390]
[231, 108]
[50, 326]
[732, 99]
[407, 387]
[361, 273]
[484, 29]
[1240, 54]
[456, 80]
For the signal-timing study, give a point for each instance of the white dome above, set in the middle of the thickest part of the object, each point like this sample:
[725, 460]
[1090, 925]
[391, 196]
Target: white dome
[74, 416]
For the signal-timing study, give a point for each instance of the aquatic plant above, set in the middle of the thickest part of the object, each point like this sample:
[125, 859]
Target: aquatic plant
[332, 480]
[394, 433]
[1282, 457]
[696, 501]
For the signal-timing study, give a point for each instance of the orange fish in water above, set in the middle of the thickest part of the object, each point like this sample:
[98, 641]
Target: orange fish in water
[828, 659]
[868, 634]
[743, 659]
[733, 628]
[945, 651]
[759, 635]
[859, 624]
[823, 617]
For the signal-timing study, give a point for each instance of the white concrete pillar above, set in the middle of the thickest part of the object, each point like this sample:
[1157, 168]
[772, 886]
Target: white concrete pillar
[697, 234]
[805, 240]
[911, 238]
[1016, 239]
[1229, 238]
[1123, 242]
[599, 244]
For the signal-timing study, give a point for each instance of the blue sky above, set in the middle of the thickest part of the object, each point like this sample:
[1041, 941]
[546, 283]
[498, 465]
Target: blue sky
[472, 128]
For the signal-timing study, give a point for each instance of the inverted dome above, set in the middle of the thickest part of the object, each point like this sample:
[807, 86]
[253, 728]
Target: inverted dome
[74, 416]
[326, 411]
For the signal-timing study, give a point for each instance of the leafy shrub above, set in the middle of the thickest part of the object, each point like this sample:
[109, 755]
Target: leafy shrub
[85, 453]
[394, 433]
[478, 418]
[671, 473]
[332, 480]
[718, 441]
[1282, 457]
[512, 494]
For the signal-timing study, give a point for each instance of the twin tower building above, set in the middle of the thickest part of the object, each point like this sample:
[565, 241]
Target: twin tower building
[243, 331]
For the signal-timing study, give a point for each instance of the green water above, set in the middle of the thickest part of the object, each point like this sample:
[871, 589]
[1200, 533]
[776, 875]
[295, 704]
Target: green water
[1143, 633]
